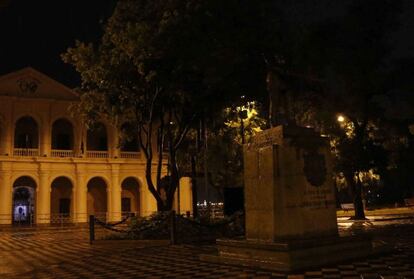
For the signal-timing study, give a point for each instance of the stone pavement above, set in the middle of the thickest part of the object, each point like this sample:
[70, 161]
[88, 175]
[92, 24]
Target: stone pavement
[67, 254]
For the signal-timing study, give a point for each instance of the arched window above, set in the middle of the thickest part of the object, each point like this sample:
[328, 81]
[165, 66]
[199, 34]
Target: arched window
[26, 133]
[129, 138]
[97, 138]
[62, 135]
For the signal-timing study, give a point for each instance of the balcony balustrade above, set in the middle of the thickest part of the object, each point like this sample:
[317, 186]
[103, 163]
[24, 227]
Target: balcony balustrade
[26, 152]
[130, 155]
[58, 153]
[62, 153]
[97, 154]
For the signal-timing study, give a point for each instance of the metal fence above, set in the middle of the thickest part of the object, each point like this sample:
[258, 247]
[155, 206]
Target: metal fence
[55, 219]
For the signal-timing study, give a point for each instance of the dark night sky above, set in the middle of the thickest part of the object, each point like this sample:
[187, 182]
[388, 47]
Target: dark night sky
[35, 33]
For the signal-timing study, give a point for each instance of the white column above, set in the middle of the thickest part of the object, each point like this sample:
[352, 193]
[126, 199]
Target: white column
[45, 138]
[115, 150]
[186, 197]
[81, 140]
[5, 197]
[9, 130]
[3, 136]
[81, 192]
[43, 198]
[115, 195]
[7, 138]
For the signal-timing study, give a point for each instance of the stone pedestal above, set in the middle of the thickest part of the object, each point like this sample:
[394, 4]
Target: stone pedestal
[293, 255]
[290, 205]
[280, 200]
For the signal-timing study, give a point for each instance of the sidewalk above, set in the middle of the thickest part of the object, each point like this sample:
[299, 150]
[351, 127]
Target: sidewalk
[380, 214]
[384, 214]
[43, 227]
[64, 256]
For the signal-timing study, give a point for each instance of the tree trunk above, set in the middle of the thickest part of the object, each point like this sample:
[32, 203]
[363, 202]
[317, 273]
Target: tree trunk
[174, 179]
[338, 202]
[359, 207]
[161, 207]
[356, 190]
[357, 187]
[151, 187]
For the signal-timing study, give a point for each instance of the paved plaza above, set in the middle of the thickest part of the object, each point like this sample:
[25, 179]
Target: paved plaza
[67, 253]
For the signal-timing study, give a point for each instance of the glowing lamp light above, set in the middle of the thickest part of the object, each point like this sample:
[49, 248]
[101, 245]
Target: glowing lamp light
[341, 118]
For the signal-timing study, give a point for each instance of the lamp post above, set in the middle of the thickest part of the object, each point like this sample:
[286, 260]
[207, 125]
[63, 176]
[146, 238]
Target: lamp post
[242, 115]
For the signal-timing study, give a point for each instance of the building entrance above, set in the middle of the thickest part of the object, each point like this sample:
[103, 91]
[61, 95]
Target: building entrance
[23, 205]
[61, 198]
[24, 201]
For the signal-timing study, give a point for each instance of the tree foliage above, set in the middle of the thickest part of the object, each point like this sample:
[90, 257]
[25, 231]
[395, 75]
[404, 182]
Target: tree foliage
[162, 65]
[356, 54]
[339, 65]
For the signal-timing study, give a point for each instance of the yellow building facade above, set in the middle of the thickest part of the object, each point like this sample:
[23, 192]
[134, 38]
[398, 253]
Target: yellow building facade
[53, 169]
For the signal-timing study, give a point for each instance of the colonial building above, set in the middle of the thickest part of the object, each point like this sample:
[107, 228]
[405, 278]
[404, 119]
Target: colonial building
[54, 169]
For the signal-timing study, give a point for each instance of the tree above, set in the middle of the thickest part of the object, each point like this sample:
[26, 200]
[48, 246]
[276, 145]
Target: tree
[237, 125]
[398, 113]
[338, 65]
[140, 75]
[222, 167]
[162, 66]
[356, 51]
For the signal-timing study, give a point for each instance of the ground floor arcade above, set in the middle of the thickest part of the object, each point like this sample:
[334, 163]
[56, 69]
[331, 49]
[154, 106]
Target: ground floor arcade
[53, 192]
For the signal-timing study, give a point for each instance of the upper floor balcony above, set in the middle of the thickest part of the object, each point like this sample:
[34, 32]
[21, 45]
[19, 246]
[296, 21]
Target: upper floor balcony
[62, 140]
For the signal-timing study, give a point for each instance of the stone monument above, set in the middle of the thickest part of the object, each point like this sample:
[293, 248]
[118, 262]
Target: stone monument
[290, 206]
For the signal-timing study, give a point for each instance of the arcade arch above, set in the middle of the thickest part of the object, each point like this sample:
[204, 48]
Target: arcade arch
[130, 195]
[24, 200]
[97, 199]
[61, 200]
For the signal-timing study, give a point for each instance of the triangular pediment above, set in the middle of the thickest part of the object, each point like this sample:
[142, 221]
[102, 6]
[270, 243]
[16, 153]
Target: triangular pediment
[30, 83]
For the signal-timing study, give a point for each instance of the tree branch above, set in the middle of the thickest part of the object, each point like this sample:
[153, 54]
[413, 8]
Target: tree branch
[160, 149]
[184, 132]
